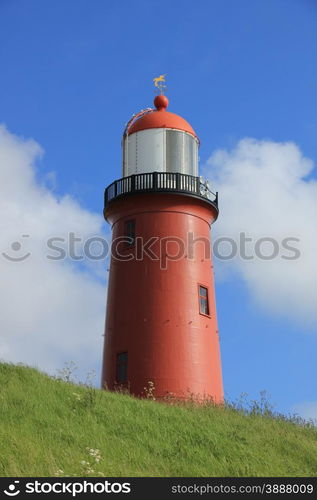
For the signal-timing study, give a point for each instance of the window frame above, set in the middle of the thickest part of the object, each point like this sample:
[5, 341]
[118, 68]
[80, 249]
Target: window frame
[120, 364]
[200, 285]
[128, 233]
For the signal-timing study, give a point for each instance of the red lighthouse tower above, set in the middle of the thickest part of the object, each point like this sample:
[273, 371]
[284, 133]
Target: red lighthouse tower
[161, 325]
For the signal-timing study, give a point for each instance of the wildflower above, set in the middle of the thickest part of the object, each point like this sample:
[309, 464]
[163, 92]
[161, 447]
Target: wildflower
[94, 453]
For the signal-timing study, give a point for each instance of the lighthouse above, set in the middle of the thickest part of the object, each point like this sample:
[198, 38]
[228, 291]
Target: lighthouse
[161, 331]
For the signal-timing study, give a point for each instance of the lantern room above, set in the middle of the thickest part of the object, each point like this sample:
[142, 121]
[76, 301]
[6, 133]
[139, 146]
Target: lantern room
[156, 140]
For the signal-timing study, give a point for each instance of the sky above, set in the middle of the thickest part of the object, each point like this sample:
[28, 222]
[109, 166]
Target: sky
[244, 75]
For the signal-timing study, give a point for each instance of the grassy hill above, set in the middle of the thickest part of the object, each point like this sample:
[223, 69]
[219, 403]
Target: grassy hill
[49, 427]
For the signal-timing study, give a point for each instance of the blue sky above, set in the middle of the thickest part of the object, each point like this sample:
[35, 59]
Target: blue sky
[72, 74]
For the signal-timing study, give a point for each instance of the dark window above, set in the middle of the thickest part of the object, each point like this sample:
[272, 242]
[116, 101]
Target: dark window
[122, 368]
[203, 300]
[129, 232]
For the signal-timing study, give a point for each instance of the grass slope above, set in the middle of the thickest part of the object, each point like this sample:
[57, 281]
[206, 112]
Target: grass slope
[49, 427]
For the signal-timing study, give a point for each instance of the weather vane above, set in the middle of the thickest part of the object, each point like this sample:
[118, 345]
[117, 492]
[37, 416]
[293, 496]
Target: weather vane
[159, 82]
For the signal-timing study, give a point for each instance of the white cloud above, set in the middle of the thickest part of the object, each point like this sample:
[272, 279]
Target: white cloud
[51, 312]
[265, 191]
[307, 410]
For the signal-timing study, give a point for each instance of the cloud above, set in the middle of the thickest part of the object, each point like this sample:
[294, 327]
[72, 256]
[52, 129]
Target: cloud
[307, 410]
[51, 311]
[266, 189]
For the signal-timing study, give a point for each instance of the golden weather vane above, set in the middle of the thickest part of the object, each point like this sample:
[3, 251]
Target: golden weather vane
[159, 82]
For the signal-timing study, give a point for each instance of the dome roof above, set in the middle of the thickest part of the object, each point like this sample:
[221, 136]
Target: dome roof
[160, 118]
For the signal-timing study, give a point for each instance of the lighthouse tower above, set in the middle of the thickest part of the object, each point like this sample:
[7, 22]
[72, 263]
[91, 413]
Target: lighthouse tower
[161, 327]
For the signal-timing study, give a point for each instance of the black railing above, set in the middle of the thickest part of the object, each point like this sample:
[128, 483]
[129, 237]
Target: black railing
[161, 181]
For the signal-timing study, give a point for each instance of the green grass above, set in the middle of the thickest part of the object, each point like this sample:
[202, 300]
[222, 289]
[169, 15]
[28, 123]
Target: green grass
[47, 425]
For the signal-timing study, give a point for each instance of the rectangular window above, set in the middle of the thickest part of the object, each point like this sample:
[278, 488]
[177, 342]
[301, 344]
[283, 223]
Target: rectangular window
[174, 151]
[122, 368]
[203, 300]
[129, 232]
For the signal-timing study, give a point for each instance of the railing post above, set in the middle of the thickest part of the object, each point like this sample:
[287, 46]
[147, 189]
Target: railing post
[132, 183]
[216, 200]
[198, 185]
[115, 188]
[155, 175]
[178, 181]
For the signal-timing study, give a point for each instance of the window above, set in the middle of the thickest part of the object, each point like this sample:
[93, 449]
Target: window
[122, 368]
[129, 232]
[203, 300]
[181, 152]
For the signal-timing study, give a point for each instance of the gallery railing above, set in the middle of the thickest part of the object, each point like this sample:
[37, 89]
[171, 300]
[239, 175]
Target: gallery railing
[161, 182]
